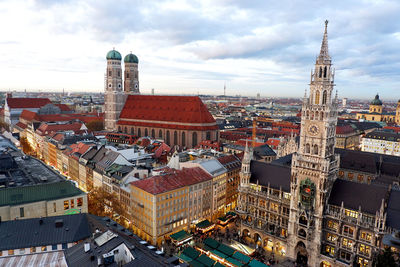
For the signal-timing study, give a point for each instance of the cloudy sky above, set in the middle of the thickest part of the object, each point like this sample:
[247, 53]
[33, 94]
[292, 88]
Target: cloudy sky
[190, 47]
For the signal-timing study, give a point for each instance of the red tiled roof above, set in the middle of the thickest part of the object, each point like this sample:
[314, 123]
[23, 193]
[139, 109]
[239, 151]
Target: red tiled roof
[63, 107]
[21, 125]
[46, 129]
[154, 111]
[344, 129]
[26, 102]
[29, 115]
[273, 142]
[172, 180]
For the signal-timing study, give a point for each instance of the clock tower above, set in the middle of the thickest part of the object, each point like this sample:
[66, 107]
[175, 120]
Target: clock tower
[315, 165]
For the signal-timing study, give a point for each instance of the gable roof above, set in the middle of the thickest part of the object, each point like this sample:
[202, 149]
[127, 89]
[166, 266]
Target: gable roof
[40, 192]
[354, 195]
[31, 233]
[26, 102]
[179, 112]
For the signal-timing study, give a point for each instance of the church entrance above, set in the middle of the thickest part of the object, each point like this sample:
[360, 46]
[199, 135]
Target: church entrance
[302, 255]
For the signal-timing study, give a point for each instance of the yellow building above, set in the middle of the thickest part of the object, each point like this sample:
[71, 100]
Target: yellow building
[376, 112]
[160, 204]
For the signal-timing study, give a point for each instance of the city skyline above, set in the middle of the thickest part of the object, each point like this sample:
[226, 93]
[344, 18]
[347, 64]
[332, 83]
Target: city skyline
[253, 48]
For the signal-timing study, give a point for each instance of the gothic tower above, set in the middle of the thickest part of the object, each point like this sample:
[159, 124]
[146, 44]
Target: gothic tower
[131, 83]
[315, 165]
[114, 96]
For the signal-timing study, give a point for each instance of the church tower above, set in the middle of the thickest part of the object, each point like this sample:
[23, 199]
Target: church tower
[314, 165]
[131, 83]
[114, 98]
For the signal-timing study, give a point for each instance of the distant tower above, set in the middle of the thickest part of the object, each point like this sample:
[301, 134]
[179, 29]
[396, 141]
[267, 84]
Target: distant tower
[224, 89]
[344, 102]
[131, 84]
[397, 118]
[114, 95]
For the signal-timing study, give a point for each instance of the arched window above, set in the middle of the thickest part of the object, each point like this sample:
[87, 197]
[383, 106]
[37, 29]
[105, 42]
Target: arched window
[153, 133]
[183, 139]
[308, 114]
[168, 137]
[322, 115]
[175, 138]
[303, 220]
[194, 139]
[317, 97]
[119, 128]
[316, 115]
[159, 134]
[307, 148]
[324, 97]
[325, 69]
[126, 130]
[302, 233]
[139, 132]
[132, 130]
[208, 136]
[146, 132]
[320, 72]
[315, 150]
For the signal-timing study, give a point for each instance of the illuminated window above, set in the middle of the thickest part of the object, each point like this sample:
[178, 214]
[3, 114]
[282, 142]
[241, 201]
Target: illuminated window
[350, 175]
[330, 250]
[10, 252]
[33, 249]
[351, 213]
[341, 173]
[79, 202]
[331, 237]
[72, 203]
[364, 249]
[366, 236]
[347, 243]
[362, 262]
[332, 225]
[44, 248]
[273, 206]
[360, 177]
[66, 204]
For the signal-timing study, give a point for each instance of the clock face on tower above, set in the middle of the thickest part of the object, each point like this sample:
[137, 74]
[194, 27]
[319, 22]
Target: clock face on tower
[313, 129]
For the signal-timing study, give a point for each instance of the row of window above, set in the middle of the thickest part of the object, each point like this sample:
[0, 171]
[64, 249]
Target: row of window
[22, 251]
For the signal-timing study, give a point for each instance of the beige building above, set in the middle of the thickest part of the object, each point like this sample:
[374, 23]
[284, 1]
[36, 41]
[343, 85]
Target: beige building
[162, 205]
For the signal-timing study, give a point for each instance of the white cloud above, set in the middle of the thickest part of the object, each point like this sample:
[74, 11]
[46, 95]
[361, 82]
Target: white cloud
[196, 46]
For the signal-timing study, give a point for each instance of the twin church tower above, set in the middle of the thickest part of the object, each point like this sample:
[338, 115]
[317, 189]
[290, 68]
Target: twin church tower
[117, 87]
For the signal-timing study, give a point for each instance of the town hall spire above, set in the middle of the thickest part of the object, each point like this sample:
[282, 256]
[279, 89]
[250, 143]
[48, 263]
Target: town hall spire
[324, 53]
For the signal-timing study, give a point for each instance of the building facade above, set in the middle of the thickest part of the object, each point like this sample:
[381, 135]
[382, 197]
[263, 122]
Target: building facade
[381, 142]
[320, 206]
[377, 113]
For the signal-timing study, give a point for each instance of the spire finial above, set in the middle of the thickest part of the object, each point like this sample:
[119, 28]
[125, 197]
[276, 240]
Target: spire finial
[324, 54]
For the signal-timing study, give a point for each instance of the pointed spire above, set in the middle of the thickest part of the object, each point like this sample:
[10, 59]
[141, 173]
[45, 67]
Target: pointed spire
[324, 53]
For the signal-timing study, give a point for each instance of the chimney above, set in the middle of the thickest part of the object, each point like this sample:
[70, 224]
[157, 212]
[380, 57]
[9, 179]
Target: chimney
[86, 247]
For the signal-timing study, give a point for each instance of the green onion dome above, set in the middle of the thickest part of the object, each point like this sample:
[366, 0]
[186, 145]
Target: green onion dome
[114, 54]
[131, 58]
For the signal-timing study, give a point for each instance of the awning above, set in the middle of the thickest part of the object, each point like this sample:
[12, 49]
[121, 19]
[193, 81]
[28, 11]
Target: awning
[204, 224]
[181, 236]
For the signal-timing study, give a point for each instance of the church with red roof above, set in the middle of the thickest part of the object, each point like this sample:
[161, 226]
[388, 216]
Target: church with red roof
[177, 120]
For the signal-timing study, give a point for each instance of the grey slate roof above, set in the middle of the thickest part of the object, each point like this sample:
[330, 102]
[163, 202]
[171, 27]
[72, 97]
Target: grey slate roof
[393, 209]
[30, 233]
[354, 195]
[275, 175]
